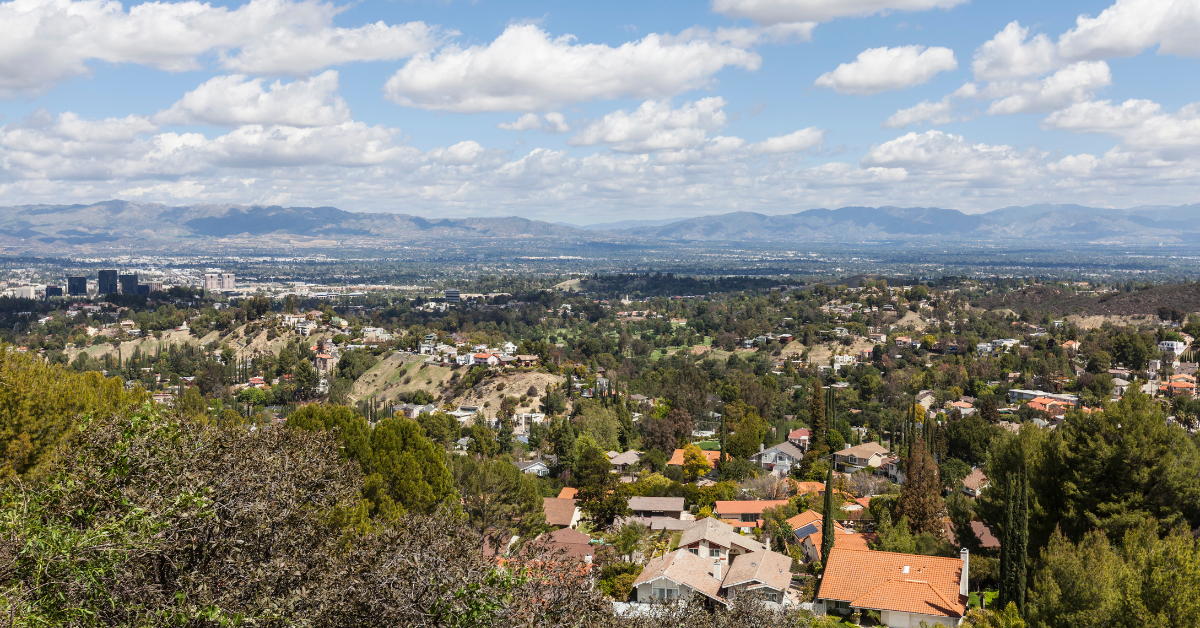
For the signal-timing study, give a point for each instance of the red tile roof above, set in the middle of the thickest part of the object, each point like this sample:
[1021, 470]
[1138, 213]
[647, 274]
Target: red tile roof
[907, 583]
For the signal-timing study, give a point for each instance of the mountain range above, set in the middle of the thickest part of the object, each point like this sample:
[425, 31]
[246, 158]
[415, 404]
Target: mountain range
[124, 224]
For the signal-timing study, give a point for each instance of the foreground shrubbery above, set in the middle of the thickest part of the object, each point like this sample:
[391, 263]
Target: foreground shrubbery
[149, 520]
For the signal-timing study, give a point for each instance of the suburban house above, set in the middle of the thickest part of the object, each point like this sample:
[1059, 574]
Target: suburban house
[778, 459]
[677, 458]
[527, 360]
[905, 589]
[486, 359]
[681, 574]
[806, 528]
[747, 513]
[974, 483]
[713, 539]
[623, 461]
[859, 457]
[536, 467]
[893, 468]
[656, 506]
[560, 513]
[766, 573]
[800, 438]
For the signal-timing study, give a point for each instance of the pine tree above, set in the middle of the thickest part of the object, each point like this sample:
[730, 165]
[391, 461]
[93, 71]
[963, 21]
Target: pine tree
[827, 526]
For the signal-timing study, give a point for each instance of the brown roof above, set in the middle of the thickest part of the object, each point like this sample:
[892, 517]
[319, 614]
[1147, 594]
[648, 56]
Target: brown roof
[684, 567]
[975, 480]
[567, 535]
[567, 493]
[865, 450]
[907, 583]
[718, 533]
[665, 504]
[761, 568]
[559, 512]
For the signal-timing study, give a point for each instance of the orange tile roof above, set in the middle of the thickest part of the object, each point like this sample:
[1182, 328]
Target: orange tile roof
[747, 507]
[878, 580]
[810, 487]
[677, 457]
[567, 493]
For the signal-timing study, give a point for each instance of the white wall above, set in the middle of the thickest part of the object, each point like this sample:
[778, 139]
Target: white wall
[895, 619]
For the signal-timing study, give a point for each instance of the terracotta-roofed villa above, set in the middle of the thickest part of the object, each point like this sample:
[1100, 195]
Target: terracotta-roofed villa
[906, 589]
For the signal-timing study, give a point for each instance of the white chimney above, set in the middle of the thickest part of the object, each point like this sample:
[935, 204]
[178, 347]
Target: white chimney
[717, 569]
[963, 585]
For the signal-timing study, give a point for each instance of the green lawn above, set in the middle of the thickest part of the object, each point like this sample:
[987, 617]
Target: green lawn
[709, 445]
[988, 596]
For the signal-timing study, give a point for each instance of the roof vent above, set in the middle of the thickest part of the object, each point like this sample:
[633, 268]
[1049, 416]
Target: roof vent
[906, 569]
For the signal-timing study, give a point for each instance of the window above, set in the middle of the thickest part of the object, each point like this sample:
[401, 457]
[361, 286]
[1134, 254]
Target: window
[714, 552]
[694, 550]
[666, 595]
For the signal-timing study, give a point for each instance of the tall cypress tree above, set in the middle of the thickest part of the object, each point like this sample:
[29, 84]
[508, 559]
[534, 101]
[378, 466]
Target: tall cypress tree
[827, 526]
[817, 413]
[1022, 547]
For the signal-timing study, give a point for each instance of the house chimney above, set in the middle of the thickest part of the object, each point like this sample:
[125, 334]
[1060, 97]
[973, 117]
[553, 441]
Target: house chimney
[963, 585]
[717, 569]
[760, 448]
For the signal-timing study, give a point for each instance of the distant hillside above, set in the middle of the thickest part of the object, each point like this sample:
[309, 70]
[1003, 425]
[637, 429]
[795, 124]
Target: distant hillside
[132, 224]
[124, 221]
[1181, 297]
[1031, 225]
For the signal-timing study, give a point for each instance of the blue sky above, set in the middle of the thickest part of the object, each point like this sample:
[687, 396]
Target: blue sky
[594, 112]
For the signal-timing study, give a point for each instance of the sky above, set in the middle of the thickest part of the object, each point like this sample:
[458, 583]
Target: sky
[592, 112]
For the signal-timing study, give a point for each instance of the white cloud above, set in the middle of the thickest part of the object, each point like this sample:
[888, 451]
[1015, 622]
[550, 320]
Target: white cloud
[526, 122]
[779, 11]
[880, 69]
[525, 69]
[1012, 54]
[795, 142]
[1130, 26]
[556, 122]
[655, 126]
[1074, 83]
[355, 166]
[939, 112]
[951, 159]
[1140, 124]
[235, 100]
[300, 51]
[43, 42]
[1103, 116]
[1124, 29]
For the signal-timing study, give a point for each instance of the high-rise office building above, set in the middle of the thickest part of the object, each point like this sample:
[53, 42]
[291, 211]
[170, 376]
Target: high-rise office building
[151, 286]
[129, 284]
[452, 296]
[107, 283]
[227, 281]
[212, 281]
[77, 286]
[53, 291]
